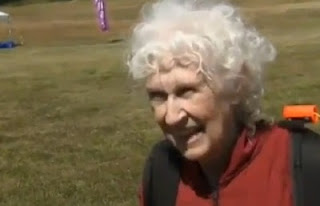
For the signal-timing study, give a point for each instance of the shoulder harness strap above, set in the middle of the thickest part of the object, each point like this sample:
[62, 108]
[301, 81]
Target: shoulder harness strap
[305, 164]
[161, 175]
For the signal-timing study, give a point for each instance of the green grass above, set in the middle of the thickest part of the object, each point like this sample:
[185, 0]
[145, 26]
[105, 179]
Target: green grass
[75, 129]
[67, 132]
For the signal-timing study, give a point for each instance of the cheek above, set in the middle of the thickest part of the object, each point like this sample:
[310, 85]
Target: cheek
[158, 113]
[203, 108]
[217, 131]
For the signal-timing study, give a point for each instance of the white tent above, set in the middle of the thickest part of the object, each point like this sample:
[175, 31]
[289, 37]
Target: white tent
[4, 17]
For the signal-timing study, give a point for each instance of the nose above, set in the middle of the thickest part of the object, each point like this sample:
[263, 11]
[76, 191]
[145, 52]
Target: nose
[175, 113]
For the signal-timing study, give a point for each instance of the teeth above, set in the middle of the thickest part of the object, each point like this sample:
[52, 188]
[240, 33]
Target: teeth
[187, 133]
[194, 138]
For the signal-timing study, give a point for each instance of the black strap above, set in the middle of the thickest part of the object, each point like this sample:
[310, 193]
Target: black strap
[297, 173]
[310, 169]
[161, 175]
[305, 164]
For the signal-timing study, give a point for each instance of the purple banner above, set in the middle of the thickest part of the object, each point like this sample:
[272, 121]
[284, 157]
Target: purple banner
[100, 6]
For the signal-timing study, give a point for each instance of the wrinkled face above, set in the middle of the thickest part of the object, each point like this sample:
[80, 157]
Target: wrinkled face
[189, 113]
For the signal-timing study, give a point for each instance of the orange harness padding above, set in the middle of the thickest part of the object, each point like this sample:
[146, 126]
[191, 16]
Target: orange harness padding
[308, 113]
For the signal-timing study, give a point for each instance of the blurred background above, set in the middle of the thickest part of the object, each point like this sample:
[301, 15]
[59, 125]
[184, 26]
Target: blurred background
[75, 129]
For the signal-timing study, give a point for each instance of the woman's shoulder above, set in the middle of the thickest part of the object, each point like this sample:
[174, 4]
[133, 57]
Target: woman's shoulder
[273, 130]
[288, 130]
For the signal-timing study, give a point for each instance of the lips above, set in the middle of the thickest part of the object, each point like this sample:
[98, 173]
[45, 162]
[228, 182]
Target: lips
[187, 137]
[189, 132]
[194, 139]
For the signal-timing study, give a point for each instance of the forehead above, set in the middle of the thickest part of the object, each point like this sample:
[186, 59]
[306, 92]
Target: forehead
[176, 77]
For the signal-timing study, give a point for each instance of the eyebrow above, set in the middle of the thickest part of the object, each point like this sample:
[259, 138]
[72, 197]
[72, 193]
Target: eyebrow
[154, 88]
[189, 84]
[176, 89]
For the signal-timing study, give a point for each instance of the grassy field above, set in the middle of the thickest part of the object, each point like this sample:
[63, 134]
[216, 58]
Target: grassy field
[75, 129]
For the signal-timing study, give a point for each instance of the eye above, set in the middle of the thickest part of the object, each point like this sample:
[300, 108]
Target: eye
[157, 96]
[186, 92]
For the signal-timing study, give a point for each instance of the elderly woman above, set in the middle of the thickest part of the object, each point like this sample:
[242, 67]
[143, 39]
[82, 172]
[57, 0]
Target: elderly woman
[203, 70]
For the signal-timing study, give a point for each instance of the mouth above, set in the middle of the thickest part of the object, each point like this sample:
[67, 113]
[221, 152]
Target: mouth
[195, 136]
[192, 131]
[190, 135]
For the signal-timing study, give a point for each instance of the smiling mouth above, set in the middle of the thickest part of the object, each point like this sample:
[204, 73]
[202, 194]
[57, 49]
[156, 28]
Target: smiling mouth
[190, 134]
[193, 137]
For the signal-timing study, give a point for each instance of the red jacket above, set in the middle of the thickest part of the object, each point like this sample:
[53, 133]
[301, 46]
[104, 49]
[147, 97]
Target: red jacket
[258, 175]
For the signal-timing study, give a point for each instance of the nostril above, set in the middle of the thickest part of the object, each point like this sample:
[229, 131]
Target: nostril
[176, 119]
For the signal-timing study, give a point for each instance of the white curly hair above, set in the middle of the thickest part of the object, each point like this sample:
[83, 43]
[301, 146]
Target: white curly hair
[211, 35]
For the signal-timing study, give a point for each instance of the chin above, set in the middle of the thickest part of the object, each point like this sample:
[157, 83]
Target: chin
[196, 153]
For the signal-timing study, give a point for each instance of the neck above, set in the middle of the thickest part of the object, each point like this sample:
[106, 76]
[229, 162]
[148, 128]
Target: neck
[213, 172]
